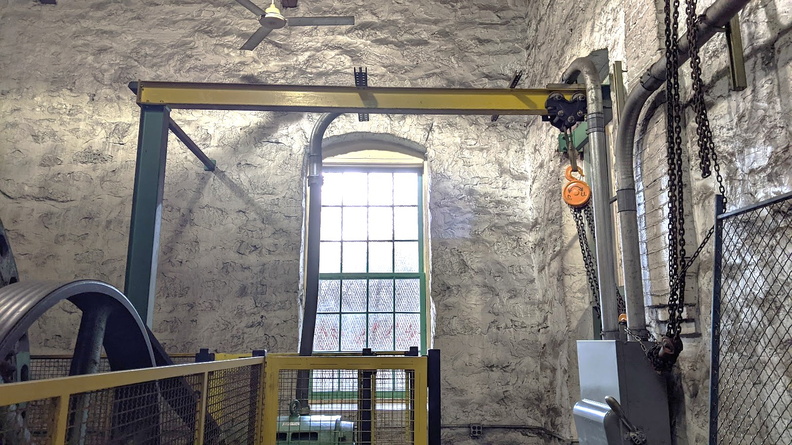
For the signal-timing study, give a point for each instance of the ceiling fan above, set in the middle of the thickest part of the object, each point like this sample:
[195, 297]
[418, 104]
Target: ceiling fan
[271, 18]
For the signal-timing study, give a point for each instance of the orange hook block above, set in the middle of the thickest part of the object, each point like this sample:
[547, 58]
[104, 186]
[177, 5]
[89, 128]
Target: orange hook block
[576, 193]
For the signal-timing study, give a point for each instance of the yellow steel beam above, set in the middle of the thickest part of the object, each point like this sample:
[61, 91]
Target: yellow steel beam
[325, 99]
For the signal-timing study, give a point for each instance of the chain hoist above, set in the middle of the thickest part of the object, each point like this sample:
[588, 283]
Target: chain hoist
[577, 194]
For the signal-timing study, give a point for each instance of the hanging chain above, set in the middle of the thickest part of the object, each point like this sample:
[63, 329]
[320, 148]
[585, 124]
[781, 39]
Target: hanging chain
[588, 256]
[664, 353]
[676, 220]
[706, 146]
[585, 249]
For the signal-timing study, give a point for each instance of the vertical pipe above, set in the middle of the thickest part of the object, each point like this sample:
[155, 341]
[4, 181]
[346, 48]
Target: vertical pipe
[716, 300]
[628, 216]
[600, 190]
[144, 230]
[313, 245]
[314, 226]
[433, 382]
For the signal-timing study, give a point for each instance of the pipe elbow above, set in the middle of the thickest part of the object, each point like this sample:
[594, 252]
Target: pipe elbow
[581, 65]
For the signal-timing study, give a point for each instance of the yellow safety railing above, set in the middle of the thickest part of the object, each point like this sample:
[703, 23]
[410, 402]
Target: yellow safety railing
[361, 399]
[383, 400]
[195, 403]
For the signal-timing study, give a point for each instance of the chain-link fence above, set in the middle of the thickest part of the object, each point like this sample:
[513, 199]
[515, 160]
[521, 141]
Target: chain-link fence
[751, 384]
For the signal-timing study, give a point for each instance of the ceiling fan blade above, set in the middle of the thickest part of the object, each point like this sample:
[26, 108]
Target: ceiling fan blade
[251, 7]
[321, 21]
[256, 38]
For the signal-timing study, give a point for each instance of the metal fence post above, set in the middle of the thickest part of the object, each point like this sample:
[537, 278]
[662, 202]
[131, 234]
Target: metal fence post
[716, 297]
[433, 381]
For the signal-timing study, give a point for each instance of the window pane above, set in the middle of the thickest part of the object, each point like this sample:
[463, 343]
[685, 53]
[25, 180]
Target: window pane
[326, 332]
[408, 295]
[332, 188]
[380, 223]
[380, 295]
[329, 296]
[381, 257]
[406, 223]
[329, 257]
[405, 188]
[381, 332]
[355, 188]
[354, 223]
[353, 296]
[408, 331]
[331, 224]
[354, 260]
[406, 256]
[380, 188]
[353, 332]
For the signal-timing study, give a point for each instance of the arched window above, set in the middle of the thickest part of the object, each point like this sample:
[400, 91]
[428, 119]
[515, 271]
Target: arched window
[372, 267]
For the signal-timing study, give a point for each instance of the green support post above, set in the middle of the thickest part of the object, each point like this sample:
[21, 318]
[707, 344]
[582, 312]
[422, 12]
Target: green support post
[144, 230]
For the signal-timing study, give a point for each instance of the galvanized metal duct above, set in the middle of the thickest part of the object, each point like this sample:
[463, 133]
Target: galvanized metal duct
[712, 20]
[314, 226]
[600, 190]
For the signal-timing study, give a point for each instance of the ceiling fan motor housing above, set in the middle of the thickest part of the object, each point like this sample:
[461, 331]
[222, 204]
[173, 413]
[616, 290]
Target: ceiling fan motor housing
[273, 21]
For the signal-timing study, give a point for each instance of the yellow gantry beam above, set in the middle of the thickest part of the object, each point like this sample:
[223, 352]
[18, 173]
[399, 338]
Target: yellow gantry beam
[328, 99]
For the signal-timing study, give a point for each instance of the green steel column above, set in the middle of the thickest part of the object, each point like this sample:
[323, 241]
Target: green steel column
[144, 230]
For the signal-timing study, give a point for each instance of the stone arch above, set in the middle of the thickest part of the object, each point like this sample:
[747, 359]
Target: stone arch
[359, 141]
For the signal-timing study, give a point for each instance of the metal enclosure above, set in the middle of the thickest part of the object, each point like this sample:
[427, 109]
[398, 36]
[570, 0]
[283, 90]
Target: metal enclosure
[620, 370]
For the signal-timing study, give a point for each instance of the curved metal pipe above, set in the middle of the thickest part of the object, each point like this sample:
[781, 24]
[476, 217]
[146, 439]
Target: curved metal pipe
[600, 190]
[714, 18]
[314, 225]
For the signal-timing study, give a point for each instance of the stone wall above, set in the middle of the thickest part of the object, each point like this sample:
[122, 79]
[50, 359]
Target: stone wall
[231, 240]
[506, 279]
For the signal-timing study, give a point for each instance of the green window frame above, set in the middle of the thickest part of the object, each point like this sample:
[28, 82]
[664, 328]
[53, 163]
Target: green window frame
[371, 292]
[369, 280]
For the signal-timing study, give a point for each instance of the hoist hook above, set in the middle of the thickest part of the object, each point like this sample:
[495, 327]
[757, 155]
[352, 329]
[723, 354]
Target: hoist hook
[576, 193]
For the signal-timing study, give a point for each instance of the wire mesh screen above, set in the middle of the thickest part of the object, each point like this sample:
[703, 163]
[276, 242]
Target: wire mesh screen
[752, 327]
[51, 367]
[353, 406]
[54, 366]
[27, 423]
[232, 406]
[161, 411]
